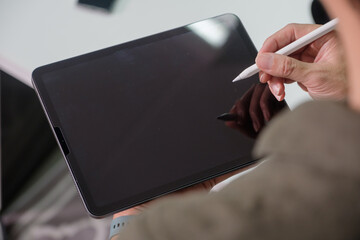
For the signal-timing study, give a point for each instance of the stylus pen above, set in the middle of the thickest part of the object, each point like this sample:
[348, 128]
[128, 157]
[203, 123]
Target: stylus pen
[294, 46]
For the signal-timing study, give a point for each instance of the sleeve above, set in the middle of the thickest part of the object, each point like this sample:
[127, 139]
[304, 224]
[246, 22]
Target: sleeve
[304, 190]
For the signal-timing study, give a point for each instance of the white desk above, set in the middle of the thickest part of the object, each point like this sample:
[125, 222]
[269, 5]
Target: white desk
[38, 32]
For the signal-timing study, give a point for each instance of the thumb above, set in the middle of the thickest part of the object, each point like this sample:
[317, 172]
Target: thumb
[282, 66]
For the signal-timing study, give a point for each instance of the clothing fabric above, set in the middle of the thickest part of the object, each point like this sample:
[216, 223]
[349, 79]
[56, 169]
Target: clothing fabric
[308, 188]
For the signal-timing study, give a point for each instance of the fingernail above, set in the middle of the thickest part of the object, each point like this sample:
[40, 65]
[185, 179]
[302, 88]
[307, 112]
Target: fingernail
[261, 77]
[265, 61]
[276, 89]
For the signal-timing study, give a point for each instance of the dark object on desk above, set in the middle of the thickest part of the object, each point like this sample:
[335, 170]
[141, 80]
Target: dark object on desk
[318, 12]
[104, 4]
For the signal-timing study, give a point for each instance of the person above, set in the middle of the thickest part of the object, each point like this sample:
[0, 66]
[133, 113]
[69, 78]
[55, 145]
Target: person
[308, 187]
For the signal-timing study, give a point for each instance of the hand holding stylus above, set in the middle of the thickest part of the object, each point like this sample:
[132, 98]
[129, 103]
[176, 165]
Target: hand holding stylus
[318, 68]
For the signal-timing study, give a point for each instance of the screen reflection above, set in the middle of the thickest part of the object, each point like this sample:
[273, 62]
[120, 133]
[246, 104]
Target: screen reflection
[253, 110]
[212, 32]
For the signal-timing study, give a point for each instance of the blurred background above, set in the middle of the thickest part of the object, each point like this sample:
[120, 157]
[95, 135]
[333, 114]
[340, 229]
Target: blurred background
[38, 197]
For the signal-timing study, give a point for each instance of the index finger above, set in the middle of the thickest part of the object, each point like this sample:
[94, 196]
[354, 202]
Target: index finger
[286, 35]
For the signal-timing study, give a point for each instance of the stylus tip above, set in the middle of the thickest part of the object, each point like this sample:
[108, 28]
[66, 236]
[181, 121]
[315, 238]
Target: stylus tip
[240, 77]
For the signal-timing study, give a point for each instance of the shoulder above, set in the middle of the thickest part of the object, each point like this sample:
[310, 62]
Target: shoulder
[327, 131]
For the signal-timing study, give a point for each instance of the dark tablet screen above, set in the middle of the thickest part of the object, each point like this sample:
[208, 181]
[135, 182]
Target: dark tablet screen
[139, 120]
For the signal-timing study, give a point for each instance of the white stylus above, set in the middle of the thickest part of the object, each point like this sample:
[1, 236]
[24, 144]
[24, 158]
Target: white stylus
[294, 46]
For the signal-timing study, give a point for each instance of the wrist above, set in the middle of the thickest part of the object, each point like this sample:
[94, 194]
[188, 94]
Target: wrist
[128, 212]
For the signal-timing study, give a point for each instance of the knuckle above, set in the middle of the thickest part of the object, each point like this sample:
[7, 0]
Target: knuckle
[288, 67]
[269, 39]
[291, 26]
[269, 43]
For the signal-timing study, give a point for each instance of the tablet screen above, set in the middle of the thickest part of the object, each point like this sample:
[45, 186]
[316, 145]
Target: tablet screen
[140, 119]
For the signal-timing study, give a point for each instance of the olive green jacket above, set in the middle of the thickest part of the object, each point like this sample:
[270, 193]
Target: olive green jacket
[309, 188]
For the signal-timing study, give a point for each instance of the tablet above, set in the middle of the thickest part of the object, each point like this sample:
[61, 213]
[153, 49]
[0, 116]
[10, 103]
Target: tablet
[139, 120]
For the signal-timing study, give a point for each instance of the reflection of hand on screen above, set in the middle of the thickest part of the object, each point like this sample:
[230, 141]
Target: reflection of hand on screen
[256, 107]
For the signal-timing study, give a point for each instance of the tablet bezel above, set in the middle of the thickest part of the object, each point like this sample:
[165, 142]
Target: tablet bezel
[92, 208]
